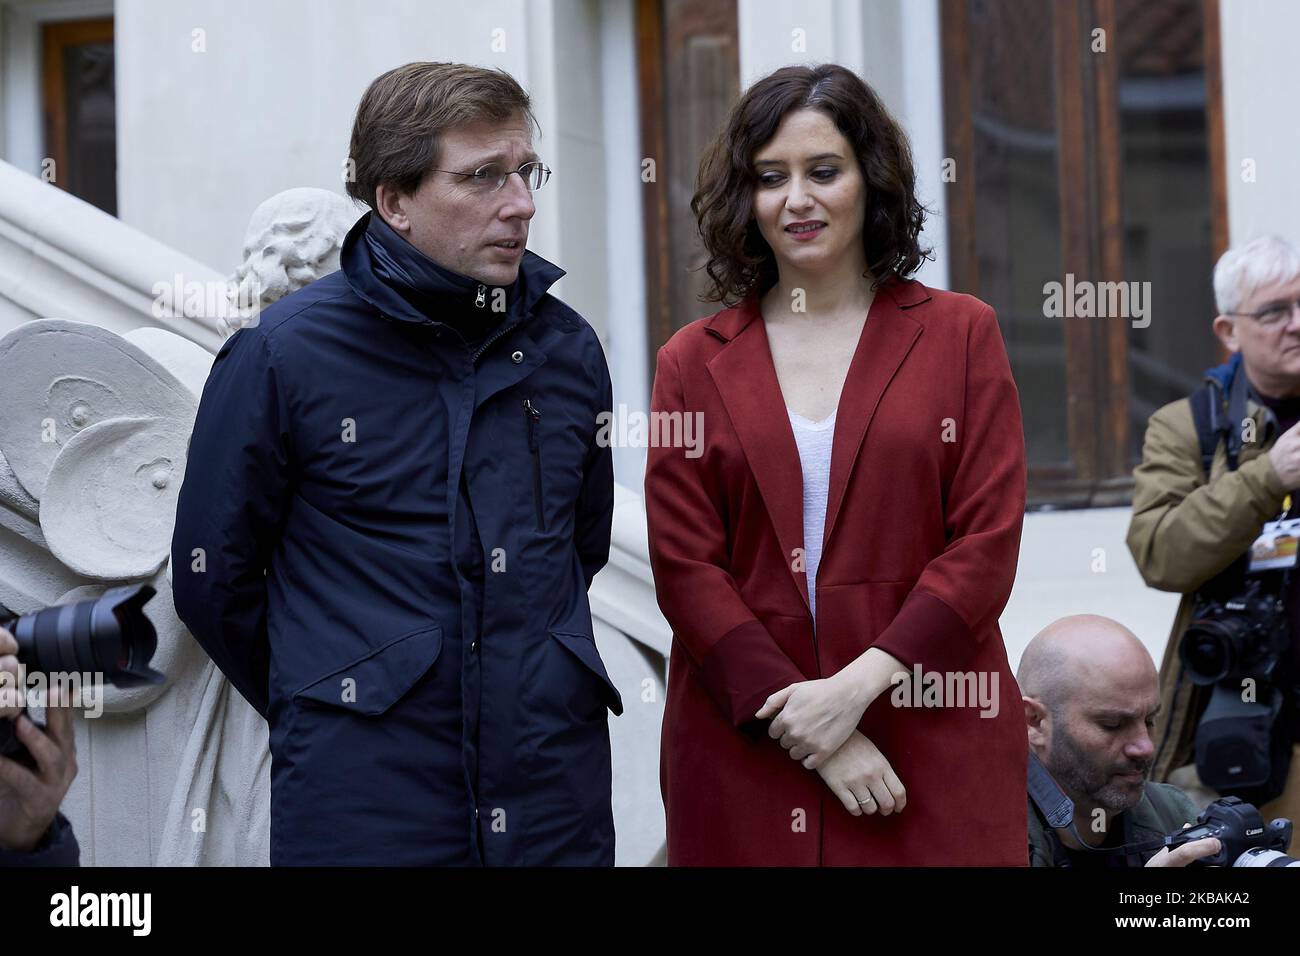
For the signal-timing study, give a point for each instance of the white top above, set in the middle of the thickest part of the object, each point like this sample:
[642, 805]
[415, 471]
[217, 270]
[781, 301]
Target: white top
[814, 440]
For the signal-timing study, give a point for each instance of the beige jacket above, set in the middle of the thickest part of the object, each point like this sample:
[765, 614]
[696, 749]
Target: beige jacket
[1185, 530]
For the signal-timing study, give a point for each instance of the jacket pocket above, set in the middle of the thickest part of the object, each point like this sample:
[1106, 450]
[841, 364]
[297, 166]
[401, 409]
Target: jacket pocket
[534, 422]
[584, 649]
[372, 683]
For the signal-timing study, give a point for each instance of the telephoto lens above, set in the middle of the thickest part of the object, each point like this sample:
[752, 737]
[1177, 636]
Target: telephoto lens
[108, 637]
[1259, 856]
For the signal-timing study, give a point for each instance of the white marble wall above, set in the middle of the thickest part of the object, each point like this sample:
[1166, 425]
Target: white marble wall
[1076, 562]
[1259, 91]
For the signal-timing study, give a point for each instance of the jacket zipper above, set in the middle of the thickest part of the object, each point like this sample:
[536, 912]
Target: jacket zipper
[534, 417]
[492, 338]
[480, 299]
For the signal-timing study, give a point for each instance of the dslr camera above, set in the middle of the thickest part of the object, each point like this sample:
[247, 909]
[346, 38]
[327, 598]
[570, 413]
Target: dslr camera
[1244, 838]
[108, 636]
[1238, 644]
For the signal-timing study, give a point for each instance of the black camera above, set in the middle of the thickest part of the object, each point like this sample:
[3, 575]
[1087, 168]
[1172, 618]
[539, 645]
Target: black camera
[108, 635]
[1238, 645]
[1244, 635]
[1243, 837]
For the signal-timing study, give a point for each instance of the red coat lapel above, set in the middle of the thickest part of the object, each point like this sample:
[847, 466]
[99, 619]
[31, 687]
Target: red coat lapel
[887, 337]
[746, 379]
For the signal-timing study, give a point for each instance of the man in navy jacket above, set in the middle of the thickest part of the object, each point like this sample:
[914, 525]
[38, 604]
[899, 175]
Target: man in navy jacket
[395, 502]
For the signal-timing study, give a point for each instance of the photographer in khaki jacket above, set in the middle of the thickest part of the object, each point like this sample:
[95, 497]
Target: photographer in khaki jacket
[1185, 529]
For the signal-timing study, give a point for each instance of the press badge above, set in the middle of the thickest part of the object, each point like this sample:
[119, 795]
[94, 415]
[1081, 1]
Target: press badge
[1276, 546]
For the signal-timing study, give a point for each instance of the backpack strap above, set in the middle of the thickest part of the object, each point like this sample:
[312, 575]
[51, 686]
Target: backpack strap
[1210, 426]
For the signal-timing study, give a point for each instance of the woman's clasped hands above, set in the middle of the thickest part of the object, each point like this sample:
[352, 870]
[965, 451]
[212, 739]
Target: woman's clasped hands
[816, 722]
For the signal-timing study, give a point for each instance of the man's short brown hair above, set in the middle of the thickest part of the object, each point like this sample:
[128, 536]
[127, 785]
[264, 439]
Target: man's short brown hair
[400, 121]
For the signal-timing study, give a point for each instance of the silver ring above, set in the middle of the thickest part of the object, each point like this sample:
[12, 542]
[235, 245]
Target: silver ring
[862, 802]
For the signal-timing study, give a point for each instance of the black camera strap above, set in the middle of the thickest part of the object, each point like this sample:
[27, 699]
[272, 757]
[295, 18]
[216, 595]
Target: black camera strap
[1056, 807]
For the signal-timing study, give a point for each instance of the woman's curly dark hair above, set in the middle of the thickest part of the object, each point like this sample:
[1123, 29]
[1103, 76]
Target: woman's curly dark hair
[740, 260]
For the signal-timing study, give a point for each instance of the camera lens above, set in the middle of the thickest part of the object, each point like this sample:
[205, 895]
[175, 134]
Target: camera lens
[109, 635]
[1209, 650]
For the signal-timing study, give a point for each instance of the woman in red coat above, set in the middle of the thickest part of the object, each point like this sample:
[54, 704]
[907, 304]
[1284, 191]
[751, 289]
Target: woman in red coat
[854, 514]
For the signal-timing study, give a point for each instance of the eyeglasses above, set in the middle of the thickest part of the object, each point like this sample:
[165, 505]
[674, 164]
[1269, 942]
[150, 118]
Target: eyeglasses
[492, 176]
[1272, 315]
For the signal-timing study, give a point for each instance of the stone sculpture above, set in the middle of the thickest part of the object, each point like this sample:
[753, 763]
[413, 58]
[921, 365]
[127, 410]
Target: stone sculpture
[92, 456]
[292, 239]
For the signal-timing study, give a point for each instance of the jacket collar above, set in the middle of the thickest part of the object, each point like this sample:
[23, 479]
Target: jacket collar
[1138, 825]
[1225, 373]
[746, 379]
[442, 295]
[1222, 379]
[1143, 822]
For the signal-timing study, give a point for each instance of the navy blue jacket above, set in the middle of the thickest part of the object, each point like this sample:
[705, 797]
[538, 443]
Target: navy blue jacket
[385, 537]
[57, 847]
